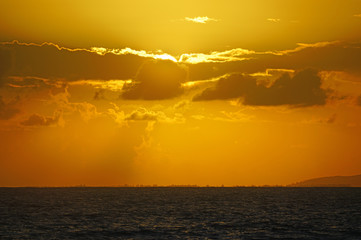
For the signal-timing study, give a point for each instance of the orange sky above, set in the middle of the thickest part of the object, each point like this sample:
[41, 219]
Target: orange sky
[157, 92]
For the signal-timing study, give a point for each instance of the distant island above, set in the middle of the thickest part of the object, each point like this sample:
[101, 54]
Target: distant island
[336, 181]
[333, 181]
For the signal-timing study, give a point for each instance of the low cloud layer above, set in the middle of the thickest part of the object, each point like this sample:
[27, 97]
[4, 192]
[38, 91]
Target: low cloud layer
[304, 89]
[156, 80]
[7, 110]
[39, 120]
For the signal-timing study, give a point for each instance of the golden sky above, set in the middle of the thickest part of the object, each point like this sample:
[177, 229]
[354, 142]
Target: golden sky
[190, 92]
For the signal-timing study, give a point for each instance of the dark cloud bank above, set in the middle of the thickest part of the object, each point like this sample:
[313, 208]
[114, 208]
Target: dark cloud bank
[334, 57]
[156, 80]
[5, 64]
[304, 89]
[7, 110]
[49, 62]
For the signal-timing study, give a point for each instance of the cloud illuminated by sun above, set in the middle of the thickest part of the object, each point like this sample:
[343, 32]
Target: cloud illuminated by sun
[275, 20]
[200, 19]
[141, 53]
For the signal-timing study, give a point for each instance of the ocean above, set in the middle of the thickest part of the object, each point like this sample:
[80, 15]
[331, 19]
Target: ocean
[180, 213]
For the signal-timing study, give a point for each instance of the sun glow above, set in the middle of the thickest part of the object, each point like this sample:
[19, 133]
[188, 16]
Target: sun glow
[178, 92]
[200, 19]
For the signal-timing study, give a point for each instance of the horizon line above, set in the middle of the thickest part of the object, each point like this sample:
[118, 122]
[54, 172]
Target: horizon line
[184, 186]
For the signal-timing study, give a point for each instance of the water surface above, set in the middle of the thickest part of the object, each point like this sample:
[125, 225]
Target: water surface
[179, 213]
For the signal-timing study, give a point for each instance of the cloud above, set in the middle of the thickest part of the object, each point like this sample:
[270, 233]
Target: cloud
[304, 89]
[237, 116]
[7, 110]
[302, 46]
[358, 100]
[48, 60]
[275, 20]
[240, 54]
[321, 120]
[5, 64]
[99, 95]
[98, 50]
[202, 20]
[141, 53]
[332, 119]
[181, 105]
[86, 111]
[36, 83]
[39, 120]
[237, 54]
[233, 86]
[156, 80]
[142, 114]
[270, 72]
[357, 15]
[324, 56]
[112, 85]
[112, 68]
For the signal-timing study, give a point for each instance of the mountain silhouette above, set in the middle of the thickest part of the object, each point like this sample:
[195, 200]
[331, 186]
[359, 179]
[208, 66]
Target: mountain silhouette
[335, 181]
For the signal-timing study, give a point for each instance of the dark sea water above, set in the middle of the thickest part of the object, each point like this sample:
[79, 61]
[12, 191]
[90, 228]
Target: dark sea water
[180, 213]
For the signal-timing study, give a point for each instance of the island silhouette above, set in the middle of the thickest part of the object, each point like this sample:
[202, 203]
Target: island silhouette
[334, 181]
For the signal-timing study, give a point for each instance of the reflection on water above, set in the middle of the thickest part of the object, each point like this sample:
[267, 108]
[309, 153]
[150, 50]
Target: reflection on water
[178, 213]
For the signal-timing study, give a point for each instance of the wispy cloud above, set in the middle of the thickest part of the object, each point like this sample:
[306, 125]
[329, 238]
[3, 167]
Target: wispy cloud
[39, 120]
[275, 20]
[141, 53]
[240, 54]
[302, 46]
[269, 72]
[143, 114]
[200, 19]
[16, 42]
[357, 15]
[112, 85]
[99, 50]
[236, 54]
